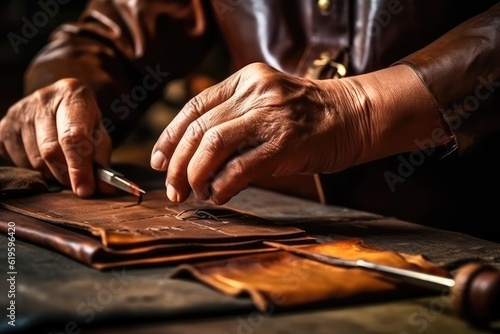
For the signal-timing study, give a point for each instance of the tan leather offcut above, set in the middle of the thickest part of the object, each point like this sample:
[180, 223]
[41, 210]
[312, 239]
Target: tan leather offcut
[280, 279]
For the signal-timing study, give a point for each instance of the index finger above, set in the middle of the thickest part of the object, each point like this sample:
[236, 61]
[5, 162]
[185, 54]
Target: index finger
[197, 106]
[76, 118]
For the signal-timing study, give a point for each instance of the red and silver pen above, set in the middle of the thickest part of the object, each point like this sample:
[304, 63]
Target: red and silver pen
[119, 181]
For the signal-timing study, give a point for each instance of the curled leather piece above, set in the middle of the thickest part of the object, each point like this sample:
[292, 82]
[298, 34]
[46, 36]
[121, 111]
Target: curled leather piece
[281, 280]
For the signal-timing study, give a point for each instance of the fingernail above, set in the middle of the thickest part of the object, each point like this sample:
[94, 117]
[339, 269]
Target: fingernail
[84, 191]
[172, 193]
[158, 160]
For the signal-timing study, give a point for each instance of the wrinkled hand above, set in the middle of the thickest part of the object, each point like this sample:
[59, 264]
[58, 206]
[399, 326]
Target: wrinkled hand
[58, 131]
[256, 123]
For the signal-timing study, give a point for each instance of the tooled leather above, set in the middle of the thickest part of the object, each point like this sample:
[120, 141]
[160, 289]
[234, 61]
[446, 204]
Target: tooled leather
[91, 252]
[120, 223]
[281, 279]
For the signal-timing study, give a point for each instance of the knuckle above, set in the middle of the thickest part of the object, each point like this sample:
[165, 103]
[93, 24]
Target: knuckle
[259, 67]
[169, 136]
[15, 115]
[195, 131]
[70, 88]
[73, 136]
[48, 150]
[13, 111]
[214, 140]
[199, 178]
[69, 84]
[43, 96]
[236, 168]
[38, 163]
[7, 134]
[43, 101]
[194, 106]
[76, 144]
[262, 73]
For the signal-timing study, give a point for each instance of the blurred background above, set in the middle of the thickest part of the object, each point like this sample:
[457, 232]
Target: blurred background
[15, 56]
[18, 46]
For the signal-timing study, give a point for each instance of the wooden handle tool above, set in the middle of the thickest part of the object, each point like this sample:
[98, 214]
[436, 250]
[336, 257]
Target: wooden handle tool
[474, 291]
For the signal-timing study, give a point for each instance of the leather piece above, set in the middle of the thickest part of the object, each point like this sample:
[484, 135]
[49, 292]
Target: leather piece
[91, 252]
[111, 232]
[17, 181]
[280, 279]
[119, 222]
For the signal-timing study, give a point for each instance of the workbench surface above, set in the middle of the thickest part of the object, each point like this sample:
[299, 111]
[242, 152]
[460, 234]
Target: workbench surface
[55, 294]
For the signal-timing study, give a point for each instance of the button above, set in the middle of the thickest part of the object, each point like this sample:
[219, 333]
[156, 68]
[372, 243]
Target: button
[324, 6]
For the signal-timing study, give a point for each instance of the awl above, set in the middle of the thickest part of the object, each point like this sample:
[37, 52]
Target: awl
[475, 288]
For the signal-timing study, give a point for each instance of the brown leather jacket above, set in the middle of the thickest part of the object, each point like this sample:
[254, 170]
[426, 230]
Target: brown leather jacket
[454, 46]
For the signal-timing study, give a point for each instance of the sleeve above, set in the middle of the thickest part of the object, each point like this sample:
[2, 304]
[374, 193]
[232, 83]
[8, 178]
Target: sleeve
[461, 70]
[125, 51]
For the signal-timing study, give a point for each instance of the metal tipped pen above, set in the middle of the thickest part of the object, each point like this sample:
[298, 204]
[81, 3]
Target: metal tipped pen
[117, 180]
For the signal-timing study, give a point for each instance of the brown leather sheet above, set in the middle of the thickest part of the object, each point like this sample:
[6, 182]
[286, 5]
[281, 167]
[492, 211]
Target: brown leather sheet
[115, 231]
[282, 280]
[220, 246]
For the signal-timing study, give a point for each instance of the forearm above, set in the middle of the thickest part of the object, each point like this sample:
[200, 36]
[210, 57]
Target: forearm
[387, 112]
[445, 93]
[462, 71]
[400, 112]
[126, 53]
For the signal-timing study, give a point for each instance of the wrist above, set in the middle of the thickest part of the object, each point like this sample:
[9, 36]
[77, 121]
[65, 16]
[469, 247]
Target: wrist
[395, 111]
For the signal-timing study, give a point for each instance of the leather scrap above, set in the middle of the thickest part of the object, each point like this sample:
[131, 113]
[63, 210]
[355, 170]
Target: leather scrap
[18, 181]
[280, 279]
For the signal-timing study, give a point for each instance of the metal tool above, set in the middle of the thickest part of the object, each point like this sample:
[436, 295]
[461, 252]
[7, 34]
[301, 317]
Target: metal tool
[475, 288]
[119, 181]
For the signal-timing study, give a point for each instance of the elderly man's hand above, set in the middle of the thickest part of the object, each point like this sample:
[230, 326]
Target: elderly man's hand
[256, 123]
[58, 131]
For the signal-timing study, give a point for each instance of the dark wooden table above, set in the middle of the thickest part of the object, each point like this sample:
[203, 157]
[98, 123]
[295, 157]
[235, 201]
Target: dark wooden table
[57, 295]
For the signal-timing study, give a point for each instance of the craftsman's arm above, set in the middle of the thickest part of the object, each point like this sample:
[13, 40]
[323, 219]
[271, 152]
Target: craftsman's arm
[116, 47]
[261, 122]
[85, 89]
[462, 72]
